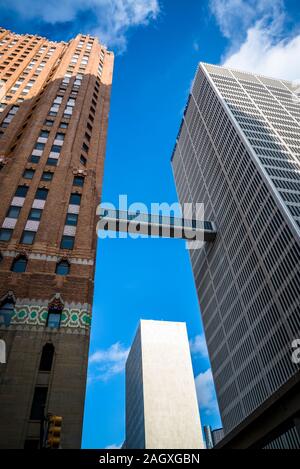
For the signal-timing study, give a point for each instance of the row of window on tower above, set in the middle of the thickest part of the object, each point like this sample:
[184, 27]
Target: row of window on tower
[35, 214]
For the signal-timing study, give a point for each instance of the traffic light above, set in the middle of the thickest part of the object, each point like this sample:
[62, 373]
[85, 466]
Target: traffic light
[54, 432]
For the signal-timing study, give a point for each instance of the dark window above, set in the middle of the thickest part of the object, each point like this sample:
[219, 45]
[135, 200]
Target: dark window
[34, 159]
[89, 126]
[59, 136]
[35, 214]
[83, 160]
[28, 237]
[21, 191]
[63, 268]
[85, 147]
[44, 133]
[28, 173]
[48, 122]
[72, 219]
[75, 199]
[41, 194]
[52, 162]
[13, 212]
[38, 403]
[5, 234]
[63, 125]
[39, 146]
[19, 265]
[78, 181]
[53, 319]
[6, 312]
[55, 149]
[87, 136]
[47, 357]
[67, 242]
[47, 176]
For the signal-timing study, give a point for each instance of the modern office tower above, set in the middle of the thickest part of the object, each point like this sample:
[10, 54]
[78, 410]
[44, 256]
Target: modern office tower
[53, 125]
[238, 152]
[161, 404]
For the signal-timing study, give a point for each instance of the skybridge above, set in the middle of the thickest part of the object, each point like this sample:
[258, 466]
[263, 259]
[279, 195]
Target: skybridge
[156, 225]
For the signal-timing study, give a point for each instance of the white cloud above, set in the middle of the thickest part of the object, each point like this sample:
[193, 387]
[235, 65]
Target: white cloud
[111, 19]
[198, 346]
[206, 393]
[105, 364]
[114, 447]
[259, 41]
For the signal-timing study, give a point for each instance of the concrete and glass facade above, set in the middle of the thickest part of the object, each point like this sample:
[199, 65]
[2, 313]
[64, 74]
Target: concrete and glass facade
[161, 403]
[54, 107]
[238, 152]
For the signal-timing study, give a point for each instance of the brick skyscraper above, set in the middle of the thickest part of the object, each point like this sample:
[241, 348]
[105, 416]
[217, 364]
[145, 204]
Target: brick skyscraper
[54, 107]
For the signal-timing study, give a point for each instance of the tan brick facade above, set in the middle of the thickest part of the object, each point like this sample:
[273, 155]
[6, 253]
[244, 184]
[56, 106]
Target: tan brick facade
[68, 84]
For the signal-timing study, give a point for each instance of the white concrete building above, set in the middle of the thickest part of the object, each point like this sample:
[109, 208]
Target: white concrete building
[161, 403]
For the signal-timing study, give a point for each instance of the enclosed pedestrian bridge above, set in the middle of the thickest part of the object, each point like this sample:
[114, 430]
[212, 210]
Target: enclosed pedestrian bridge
[156, 225]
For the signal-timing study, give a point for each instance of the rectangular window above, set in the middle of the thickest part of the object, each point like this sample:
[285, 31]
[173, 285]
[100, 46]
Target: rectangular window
[28, 173]
[5, 234]
[78, 181]
[75, 199]
[13, 212]
[41, 194]
[48, 123]
[52, 162]
[44, 133]
[21, 191]
[85, 147]
[47, 176]
[55, 149]
[60, 136]
[34, 159]
[39, 146]
[35, 214]
[53, 319]
[83, 160]
[28, 237]
[63, 125]
[72, 219]
[38, 403]
[67, 242]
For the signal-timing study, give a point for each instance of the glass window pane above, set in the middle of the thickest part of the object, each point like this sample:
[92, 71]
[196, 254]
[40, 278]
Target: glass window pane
[41, 194]
[19, 265]
[5, 234]
[28, 173]
[53, 320]
[28, 237]
[13, 212]
[47, 176]
[67, 242]
[35, 214]
[72, 219]
[75, 199]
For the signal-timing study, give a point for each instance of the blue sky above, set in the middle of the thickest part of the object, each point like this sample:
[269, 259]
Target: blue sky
[158, 45]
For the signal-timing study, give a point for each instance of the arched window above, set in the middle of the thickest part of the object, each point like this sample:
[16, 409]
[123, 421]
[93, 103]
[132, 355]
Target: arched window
[47, 357]
[63, 268]
[6, 312]
[19, 264]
